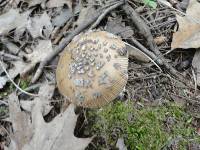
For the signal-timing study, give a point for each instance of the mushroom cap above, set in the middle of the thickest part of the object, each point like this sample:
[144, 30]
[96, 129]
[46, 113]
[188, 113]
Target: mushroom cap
[92, 69]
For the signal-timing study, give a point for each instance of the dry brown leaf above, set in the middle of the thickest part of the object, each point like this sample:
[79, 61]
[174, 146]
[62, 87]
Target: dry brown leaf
[189, 28]
[11, 20]
[57, 134]
[117, 27]
[62, 18]
[85, 13]
[39, 53]
[21, 124]
[196, 66]
[18, 68]
[59, 3]
[38, 23]
[3, 81]
[45, 94]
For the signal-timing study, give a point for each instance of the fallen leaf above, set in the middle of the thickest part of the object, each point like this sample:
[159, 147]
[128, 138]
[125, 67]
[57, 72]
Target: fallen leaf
[54, 135]
[117, 27]
[40, 52]
[18, 68]
[11, 20]
[62, 18]
[21, 124]
[59, 3]
[14, 49]
[40, 25]
[1, 69]
[3, 81]
[45, 94]
[188, 33]
[85, 13]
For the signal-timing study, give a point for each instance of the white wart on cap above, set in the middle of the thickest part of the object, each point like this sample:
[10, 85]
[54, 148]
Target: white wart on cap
[92, 69]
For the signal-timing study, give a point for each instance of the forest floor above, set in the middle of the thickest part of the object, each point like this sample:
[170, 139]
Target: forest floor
[160, 107]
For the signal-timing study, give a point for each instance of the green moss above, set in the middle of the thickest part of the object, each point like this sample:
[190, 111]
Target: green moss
[24, 84]
[146, 128]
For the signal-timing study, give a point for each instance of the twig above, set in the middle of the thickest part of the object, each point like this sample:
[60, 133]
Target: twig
[60, 35]
[13, 57]
[3, 103]
[4, 69]
[145, 31]
[180, 12]
[100, 18]
[30, 88]
[145, 52]
[64, 43]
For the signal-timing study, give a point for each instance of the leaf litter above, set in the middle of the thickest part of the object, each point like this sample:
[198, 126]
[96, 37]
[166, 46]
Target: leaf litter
[32, 132]
[26, 31]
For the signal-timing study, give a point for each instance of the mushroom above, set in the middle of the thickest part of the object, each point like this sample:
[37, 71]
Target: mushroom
[92, 69]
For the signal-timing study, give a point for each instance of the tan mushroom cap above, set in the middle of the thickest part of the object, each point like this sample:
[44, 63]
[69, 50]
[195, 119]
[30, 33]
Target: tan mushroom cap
[92, 69]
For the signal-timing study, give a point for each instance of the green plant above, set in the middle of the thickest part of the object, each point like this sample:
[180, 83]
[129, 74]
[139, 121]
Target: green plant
[145, 128]
[150, 3]
[24, 83]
